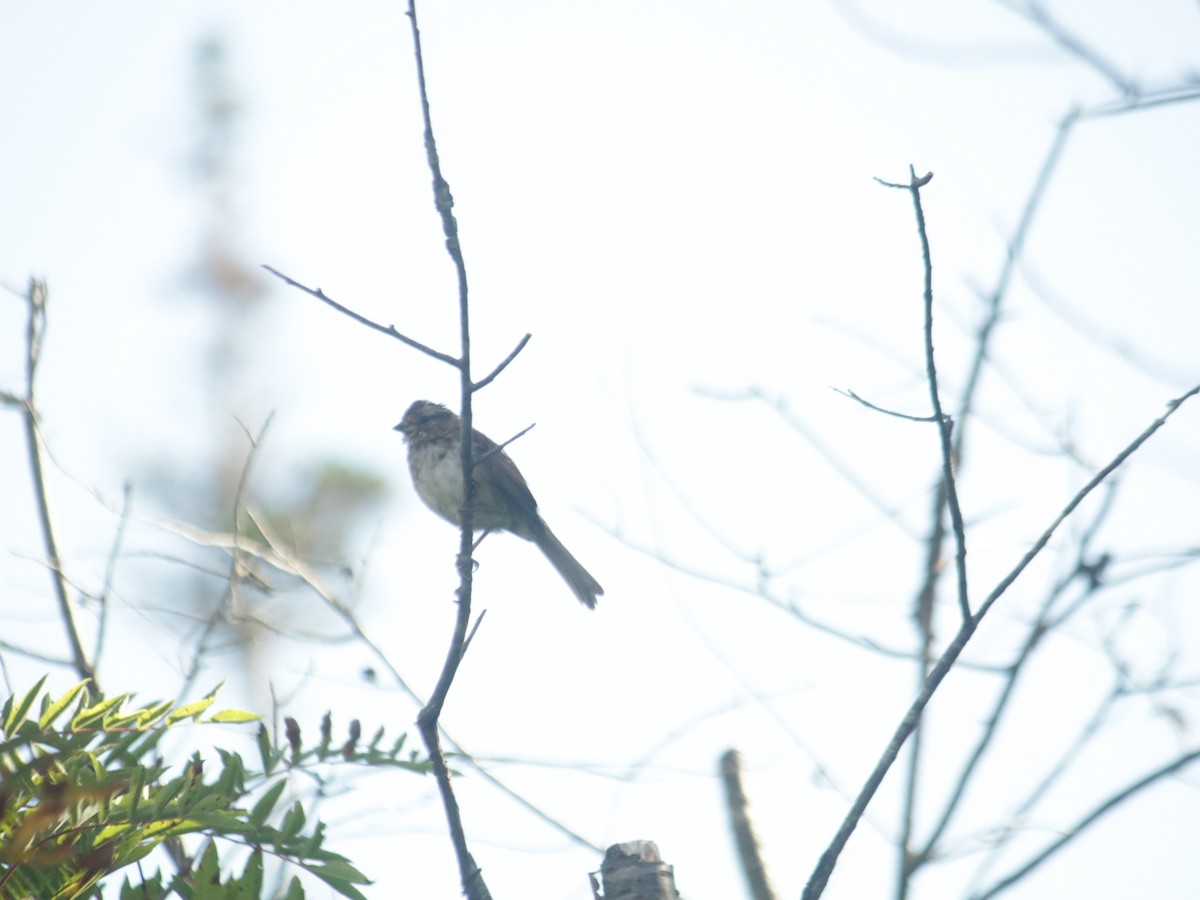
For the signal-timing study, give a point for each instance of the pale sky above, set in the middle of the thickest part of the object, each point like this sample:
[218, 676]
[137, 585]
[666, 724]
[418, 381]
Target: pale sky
[678, 201]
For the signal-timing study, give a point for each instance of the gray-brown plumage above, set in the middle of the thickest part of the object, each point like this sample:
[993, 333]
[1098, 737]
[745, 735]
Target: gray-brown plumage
[503, 501]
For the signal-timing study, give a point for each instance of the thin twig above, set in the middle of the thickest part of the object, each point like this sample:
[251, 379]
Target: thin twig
[1184, 93]
[36, 296]
[33, 654]
[484, 382]
[389, 330]
[1079, 497]
[236, 545]
[110, 569]
[887, 412]
[1014, 821]
[1073, 831]
[236, 567]
[1044, 624]
[1074, 45]
[499, 448]
[820, 876]
[834, 459]
[474, 628]
[790, 607]
[944, 423]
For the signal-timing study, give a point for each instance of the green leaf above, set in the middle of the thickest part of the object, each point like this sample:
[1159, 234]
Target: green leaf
[205, 882]
[56, 709]
[266, 803]
[340, 869]
[232, 779]
[311, 848]
[344, 886]
[151, 887]
[293, 822]
[164, 795]
[14, 714]
[265, 751]
[194, 710]
[236, 716]
[86, 719]
[137, 781]
[249, 885]
[153, 713]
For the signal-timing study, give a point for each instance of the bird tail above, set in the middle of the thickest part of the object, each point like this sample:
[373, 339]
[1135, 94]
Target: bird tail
[579, 579]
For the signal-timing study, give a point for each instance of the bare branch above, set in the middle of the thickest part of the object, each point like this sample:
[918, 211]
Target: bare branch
[1186, 93]
[1080, 496]
[389, 330]
[945, 425]
[33, 654]
[743, 832]
[834, 459]
[1016, 245]
[237, 570]
[110, 569]
[1074, 45]
[499, 448]
[820, 877]
[474, 628]
[36, 296]
[887, 412]
[1038, 629]
[484, 382]
[913, 184]
[1072, 831]
[427, 721]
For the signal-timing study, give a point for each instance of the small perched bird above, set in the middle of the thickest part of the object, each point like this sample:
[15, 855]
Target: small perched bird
[503, 501]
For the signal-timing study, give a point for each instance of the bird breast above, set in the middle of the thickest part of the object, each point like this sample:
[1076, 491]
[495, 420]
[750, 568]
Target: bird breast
[437, 476]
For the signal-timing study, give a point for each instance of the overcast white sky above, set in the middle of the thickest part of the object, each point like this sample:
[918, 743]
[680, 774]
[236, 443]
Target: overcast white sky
[676, 200]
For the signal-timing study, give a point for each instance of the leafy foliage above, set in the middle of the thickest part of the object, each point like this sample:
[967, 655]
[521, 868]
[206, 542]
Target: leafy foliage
[85, 794]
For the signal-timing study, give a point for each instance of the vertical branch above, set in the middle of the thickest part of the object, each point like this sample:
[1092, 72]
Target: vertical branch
[1013, 251]
[469, 873]
[1043, 624]
[828, 860]
[36, 297]
[110, 571]
[910, 859]
[743, 832]
[944, 423]
[909, 862]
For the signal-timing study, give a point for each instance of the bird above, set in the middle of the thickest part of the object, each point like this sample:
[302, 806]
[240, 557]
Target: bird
[503, 501]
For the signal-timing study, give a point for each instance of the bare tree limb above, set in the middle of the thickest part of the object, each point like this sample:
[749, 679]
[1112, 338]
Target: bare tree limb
[743, 831]
[427, 720]
[779, 406]
[491, 376]
[887, 412]
[1090, 819]
[911, 860]
[499, 448]
[820, 877]
[36, 296]
[389, 330]
[1185, 93]
[1073, 44]
[110, 570]
[1038, 629]
[944, 423]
